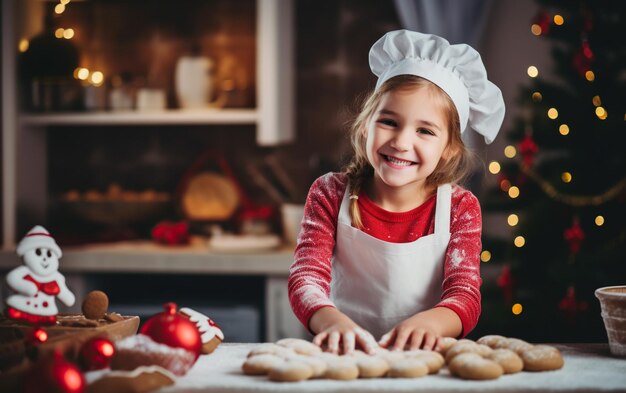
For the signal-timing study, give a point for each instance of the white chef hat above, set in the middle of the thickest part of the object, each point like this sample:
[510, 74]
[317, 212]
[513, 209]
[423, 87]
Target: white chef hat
[38, 237]
[456, 69]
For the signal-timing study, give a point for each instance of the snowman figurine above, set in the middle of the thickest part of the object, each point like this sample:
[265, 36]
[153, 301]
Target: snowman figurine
[37, 282]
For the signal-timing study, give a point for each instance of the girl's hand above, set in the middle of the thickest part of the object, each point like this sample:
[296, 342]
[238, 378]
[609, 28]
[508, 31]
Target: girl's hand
[412, 334]
[339, 334]
[423, 330]
[404, 336]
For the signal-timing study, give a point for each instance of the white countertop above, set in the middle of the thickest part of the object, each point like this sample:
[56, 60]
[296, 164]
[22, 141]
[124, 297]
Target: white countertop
[588, 367]
[146, 256]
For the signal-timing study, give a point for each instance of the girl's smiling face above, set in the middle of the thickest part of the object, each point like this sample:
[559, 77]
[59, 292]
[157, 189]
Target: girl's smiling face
[406, 137]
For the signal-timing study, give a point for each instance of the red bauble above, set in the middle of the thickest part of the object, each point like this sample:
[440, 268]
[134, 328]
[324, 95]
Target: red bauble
[574, 236]
[96, 354]
[54, 374]
[570, 307]
[581, 61]
[505, 282]
[174, 330]
[528, 149]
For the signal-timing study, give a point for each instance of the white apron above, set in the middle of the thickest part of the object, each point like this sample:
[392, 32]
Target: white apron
[379, 284]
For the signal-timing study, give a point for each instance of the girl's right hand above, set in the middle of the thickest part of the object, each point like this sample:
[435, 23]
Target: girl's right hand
[339, 334]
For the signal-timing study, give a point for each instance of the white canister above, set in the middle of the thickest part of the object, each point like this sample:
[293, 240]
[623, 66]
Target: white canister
[193, 82]
[151, 99]
[292, 214]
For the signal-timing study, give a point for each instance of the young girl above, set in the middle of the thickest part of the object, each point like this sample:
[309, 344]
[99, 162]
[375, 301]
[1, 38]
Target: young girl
[389, 249]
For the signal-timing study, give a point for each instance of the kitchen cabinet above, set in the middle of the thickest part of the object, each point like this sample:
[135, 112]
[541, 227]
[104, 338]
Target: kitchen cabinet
[26, 170]
[25, 135]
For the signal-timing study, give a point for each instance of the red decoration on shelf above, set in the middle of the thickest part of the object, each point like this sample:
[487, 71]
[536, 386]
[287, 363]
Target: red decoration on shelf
[528, 149]
[574, 236]
[171, 233]
[570, 307]
[543, 19]
[505, 282]
[263, 212]
[174, 330]
[96, 354]
[54, 374]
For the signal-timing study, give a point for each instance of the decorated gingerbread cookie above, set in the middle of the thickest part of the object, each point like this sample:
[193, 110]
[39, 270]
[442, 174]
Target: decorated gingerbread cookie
[210, 333]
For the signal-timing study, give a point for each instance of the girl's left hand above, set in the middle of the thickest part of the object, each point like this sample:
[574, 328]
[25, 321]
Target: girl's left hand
[416, 332]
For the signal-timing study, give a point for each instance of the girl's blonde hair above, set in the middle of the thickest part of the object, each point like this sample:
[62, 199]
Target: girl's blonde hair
[454, 166]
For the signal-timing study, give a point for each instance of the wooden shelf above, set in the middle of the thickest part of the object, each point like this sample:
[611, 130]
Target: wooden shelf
[174, 116]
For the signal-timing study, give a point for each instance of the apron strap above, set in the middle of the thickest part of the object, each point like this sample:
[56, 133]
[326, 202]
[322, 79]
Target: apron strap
[442, 209]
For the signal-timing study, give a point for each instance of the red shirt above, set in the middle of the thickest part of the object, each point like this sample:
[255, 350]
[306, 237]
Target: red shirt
[310, 273]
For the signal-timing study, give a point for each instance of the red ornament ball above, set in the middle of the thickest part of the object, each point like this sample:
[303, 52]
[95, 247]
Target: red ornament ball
[174, 330]
[54, 374]
[96, 354]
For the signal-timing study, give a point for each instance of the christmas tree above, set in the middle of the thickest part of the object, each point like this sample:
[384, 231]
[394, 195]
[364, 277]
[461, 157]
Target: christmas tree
[561, 182]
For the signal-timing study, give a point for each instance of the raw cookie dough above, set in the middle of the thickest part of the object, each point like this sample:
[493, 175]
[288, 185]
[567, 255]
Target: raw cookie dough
[470, 365]
[290, 371]
[542, 358]
[408, 368]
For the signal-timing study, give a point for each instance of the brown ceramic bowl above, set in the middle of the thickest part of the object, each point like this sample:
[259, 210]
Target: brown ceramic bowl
[613, 305]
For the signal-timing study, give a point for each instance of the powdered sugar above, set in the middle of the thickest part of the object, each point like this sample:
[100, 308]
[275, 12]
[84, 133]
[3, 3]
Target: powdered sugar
[457, 256]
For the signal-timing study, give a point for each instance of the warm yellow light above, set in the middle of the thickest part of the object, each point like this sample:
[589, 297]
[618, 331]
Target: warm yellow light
[64, 2]
[596, 100]
[510, 151]
[494, 167]
[564, 129]
[532, 71]
[505, 185]
[485, 256]
[68, 34]
[512, 220]
[23, 45]
[83, 74]
[601, 113]
[535, 29]
[599, 221]
[513, 192]
[553, 113]
[58, 33]
[566, 177]
[96, 78]
[519, 241]
[517, 309]
[558, 20]
[590, 76]
[59, 8]
[537, 97]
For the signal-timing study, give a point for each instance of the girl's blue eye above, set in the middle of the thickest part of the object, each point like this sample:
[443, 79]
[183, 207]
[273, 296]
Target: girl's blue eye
[425, 131]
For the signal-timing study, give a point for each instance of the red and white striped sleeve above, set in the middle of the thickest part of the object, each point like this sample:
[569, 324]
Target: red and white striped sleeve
[310, 273]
